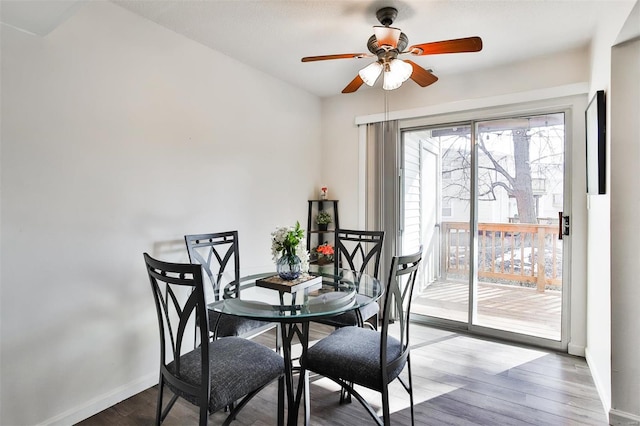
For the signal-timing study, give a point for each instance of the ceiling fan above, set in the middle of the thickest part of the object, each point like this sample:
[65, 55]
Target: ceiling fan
[386, 44]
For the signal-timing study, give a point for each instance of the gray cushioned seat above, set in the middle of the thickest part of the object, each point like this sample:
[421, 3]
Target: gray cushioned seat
[350, 318]
[237, 367]
[353, 354]
[231, 325]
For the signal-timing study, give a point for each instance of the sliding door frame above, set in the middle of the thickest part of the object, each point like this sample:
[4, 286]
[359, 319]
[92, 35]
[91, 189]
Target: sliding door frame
[570, 106]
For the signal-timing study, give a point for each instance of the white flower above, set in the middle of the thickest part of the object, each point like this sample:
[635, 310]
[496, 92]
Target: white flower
[277, 239]
[304, 256]
[290, 240]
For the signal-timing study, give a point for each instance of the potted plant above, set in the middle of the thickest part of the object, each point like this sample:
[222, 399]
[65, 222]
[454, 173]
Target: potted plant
[323, 219]
[287, 249]
[325, 254]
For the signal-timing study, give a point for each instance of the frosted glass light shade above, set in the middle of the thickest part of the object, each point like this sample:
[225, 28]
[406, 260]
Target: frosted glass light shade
[387, 36]
[370, 73]
[398, 72]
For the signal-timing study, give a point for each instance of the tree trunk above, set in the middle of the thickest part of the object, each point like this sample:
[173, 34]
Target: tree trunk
[523, 190]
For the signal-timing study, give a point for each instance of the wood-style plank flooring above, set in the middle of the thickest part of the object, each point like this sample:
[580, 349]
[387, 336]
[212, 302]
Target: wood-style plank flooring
[458, 380]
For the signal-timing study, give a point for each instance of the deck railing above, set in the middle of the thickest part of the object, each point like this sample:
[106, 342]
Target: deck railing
[506, 252]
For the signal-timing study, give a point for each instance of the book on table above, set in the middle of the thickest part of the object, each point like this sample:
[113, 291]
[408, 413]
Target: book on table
[303, 282]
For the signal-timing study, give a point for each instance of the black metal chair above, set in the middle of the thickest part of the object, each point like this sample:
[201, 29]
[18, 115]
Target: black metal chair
[358, 251]
[216, 374]
[219, 255]
[367, 357]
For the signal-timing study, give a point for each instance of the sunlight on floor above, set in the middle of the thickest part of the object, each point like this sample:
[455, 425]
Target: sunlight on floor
[490, 358]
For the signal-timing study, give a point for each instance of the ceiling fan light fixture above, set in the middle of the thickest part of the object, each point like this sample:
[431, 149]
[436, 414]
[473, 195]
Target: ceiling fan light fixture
[396, 72]
[370, 73]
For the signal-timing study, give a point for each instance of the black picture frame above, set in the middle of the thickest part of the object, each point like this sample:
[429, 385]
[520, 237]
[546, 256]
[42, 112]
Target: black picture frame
[595, 121]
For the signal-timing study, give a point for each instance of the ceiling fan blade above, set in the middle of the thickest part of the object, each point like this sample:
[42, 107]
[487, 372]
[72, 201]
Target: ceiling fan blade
[469, 44]
[354, 85]
[420, 75]
[340, 56]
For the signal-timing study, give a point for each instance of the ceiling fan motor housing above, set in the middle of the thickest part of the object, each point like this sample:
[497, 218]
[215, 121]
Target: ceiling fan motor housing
[376, 49]
[387, 15]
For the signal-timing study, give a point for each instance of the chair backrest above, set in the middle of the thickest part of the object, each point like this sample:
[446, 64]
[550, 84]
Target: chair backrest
[397, 304]
[358, 250]
[179, 297]
[219, 256]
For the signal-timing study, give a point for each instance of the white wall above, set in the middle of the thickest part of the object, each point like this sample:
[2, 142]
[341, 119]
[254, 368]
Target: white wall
[599, 308]
[625, 228]
[119, 137]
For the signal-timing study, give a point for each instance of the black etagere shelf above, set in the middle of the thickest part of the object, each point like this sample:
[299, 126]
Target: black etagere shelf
[315, 235]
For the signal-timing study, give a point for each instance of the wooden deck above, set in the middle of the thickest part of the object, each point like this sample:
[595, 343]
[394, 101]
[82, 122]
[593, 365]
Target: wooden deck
[517, 309]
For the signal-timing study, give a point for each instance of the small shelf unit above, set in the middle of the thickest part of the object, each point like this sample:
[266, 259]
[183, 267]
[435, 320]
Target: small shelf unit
[315, 236]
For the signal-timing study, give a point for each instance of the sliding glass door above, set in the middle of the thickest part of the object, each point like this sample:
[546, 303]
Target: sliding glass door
[484, 199]
[435, 168]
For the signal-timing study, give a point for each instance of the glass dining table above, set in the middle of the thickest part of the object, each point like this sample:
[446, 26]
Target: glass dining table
[293, 304]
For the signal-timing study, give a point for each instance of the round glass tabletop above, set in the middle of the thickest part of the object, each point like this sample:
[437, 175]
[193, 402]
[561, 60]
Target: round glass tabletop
[267, 297]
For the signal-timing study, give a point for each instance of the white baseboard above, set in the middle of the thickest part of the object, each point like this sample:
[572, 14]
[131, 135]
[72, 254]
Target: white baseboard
[576, 350]
[620, 418]
[597, 380]
[94, 406]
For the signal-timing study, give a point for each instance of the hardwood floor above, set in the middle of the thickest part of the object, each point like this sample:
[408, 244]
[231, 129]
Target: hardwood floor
[458, 380]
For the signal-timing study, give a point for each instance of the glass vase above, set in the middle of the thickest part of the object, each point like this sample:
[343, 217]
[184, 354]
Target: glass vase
[288, 267]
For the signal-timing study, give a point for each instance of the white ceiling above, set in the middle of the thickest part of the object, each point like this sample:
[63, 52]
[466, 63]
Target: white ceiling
[273, 36]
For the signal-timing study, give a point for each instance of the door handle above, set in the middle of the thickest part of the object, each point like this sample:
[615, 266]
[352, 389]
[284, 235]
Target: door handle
[563, 225]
